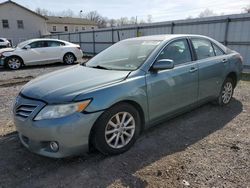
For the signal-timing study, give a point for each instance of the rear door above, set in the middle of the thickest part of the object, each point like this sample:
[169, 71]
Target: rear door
[171, 90]
[211, 62]
[54, 51]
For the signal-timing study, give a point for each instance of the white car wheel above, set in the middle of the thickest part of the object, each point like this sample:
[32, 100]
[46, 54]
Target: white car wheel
[69, 59]
[14, 63]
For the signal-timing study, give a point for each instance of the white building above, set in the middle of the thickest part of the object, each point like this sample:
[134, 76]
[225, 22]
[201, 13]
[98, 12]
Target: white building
[18, 23]
[68, 25]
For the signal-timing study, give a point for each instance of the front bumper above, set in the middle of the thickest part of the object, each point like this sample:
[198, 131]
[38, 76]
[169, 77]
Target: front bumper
[71, 132]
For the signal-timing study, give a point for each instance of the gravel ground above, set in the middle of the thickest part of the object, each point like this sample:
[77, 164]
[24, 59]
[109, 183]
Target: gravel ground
[207, 147]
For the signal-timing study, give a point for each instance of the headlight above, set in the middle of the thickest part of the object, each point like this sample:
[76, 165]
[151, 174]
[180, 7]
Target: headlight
[57, 111]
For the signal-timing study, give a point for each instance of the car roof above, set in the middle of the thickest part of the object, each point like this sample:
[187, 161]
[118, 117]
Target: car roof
[45, 39]
[168, 37]
[165, 37]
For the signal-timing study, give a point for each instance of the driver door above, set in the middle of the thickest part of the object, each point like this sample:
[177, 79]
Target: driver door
[34, 54]
[169, 91]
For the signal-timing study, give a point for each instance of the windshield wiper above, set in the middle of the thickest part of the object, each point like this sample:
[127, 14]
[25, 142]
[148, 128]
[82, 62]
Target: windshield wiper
[99, 67]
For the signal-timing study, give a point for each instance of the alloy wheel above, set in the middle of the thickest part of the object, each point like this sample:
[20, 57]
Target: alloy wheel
[69, 59]
[14, 63]
[120, 130]
[227, 92]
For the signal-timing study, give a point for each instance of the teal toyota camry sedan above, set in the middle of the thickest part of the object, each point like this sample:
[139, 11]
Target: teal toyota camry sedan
[136, 83]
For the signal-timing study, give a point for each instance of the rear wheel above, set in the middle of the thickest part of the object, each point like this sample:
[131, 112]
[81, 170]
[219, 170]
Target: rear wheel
[117, 129]
[14, 63]
[226, 93]
[69, 59]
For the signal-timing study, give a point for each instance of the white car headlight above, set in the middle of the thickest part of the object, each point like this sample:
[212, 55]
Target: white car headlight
[57, 111]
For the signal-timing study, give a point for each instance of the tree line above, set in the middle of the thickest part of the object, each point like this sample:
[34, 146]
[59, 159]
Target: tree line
[107, 22]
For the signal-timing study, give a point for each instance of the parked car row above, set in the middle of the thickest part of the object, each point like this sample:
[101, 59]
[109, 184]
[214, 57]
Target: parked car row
[132, 85]
[4, 43]
[40, 51]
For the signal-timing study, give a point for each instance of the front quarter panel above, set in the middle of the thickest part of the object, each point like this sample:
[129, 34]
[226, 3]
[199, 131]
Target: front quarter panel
[131, 89]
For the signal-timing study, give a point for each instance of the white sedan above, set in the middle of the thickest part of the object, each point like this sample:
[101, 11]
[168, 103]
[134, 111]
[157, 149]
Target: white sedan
[40, 51]
[4, 43]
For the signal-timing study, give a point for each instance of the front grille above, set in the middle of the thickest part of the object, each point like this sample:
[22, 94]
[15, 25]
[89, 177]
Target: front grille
[25, 110]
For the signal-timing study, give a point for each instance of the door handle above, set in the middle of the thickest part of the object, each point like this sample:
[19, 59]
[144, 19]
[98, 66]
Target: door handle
[224, 60]
[193, 69]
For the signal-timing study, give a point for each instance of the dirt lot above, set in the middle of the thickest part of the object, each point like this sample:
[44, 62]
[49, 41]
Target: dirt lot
[207, 147]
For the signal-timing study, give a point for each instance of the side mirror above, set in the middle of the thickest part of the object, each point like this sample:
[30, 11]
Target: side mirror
[27, 47]
[163, 64]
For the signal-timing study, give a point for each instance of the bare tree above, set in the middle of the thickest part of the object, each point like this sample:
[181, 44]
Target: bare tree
[93, 16]
[149, 19]
[66, 13]
[97, 18]
[132, 20]
[43, 12]
[112, 22]
[206, 13]
[247, 9]
[122, 21]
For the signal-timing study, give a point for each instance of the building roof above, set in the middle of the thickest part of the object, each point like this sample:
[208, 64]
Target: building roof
[14, 3]
[69, 20]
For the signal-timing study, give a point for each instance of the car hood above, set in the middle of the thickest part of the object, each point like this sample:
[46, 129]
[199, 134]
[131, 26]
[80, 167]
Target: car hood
[64, 85]
[7, 50]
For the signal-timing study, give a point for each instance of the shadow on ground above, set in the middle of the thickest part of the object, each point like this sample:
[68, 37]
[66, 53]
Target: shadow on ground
[19, 167]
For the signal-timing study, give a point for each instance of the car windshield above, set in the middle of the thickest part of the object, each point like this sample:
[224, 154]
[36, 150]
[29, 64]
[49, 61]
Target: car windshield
[22, 44]
[124, 55]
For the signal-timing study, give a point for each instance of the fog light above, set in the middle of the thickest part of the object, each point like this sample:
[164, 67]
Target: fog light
[54, 146]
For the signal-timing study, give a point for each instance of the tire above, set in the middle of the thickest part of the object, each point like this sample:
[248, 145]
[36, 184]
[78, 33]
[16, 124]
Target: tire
[226, 92]
[112, 138]
[69, 58]
[14, 63]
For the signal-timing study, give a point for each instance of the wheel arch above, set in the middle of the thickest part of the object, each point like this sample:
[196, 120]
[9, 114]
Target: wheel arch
[233, 76]
[136, 105]
[69, 52]
[17, 56]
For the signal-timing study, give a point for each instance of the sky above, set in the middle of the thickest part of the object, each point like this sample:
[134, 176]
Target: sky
[161, 10]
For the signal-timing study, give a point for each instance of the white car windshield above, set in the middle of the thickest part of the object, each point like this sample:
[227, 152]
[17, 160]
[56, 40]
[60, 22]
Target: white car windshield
[22, 44]
[124, 55]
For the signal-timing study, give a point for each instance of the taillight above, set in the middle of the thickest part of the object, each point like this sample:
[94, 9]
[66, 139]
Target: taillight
[78, 47]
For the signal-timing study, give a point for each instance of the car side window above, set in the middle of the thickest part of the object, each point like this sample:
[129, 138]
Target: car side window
[203, 48]
[1, 40]
[38, 44]
[178, 51]
[217, 50]
[55, 44]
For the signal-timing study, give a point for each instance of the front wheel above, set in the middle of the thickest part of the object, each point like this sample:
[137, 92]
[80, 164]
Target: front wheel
[226, 93]
[117, 129]
[14, 63]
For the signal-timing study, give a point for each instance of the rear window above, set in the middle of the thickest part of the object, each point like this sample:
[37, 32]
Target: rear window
[203, 48]
[55, 43]
[217, 50]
